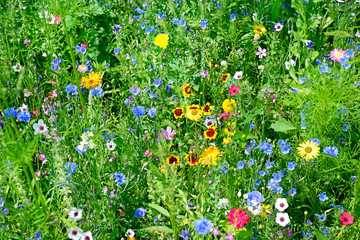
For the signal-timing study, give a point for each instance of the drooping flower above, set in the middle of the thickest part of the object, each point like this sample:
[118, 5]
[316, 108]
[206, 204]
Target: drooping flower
[210, 156]
[203, 226]
[336, 54]
[162, 40]
[346, 219]
[238, 218]
[282, 219]
[173, 160]
[178, 112]
[210, 133]
[194, 112]
[309, 150]
[259, 29]
[92, 80]
[229, 105]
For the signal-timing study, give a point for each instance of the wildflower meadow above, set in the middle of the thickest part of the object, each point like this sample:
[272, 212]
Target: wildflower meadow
[191, 119]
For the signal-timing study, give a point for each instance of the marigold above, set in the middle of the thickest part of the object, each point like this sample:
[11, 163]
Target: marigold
[228, 105]
[162, 40]
[309, 150]
[207, 109]
[193, 112]
[238, 218]
[210, 133]
[210, 156]
[173, 159]
[259, 29]
[187, 90]
[178, 112]
[92, 80]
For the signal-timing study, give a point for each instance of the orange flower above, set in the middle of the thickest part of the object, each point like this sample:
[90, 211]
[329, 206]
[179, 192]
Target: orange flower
[92, 80]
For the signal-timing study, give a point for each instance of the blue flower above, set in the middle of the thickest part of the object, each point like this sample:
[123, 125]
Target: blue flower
[140, 212]
[322, 217]
[292, 192]
[72, 88]
[134, 90]
[255, 198]
[309, 44]
[24, 116]
[139, 111]
[266, 147]
[350, 53]
[332, 151]
[258, 182]
[153, 95]
[241, 164]
[203, 23]
[116, 50]
[81, 49]
[38, 235]
[203, 226]
[139, 11]
[119, 179]
[11, 110]
[262, 173]
[142, 25]
[185, 235]
[148, 30]
[291, 166]
[302, 80]
[315, 140]
[162, 15]
[152, 112]
[233, 16]
[157, 82]
[81, 149]
[55, 67]
[323, 197]
[269, 164]
[71, 167]
[251, 162]
[97, 92]
[343, 62]
[324, 69]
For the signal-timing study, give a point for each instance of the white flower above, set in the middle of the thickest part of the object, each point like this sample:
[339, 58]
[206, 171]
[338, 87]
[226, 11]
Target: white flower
[91, 144]
[255, 210]
[281, 204]
[341, 1]
[17, 67]
[23, 108]
[357, 33]
[75, 214]
[278, 27]
[246, 196]
[223, 203]
[44, 54]
[261, 67]
[239, 193]
[223, 63]
[238, 75]
[75, 234]
[111, 145]
[282, 219]
[289, 64]
[130, 233]
[40, 127]
[87, 236]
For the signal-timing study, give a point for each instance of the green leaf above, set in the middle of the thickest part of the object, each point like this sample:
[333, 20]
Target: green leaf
[282, 125]
[158, 228]
[162, 210]
[320, 235]
[338, 34]
[293, 74]
[243, 234]
[275, 9]
[167, 122]
[114, 233]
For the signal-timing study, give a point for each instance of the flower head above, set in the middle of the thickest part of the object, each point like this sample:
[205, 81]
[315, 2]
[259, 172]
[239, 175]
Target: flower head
[238, 218]
[75, 214]
[187, 90]
[229, 105]
[206, 109]
[203, 226]
[259, 29]
[234, 90]
[92, 80]
[210, 133]
[336, 54]
[178, 112]
[162, 40]
[194, 112]
[173, 160]
[282, 219]
[332, 151]
[281, 204]
[309, 150]
[346, 219]
[210, 156]
[140, 212]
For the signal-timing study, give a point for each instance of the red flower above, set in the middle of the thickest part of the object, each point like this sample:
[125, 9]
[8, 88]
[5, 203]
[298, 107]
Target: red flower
[226, 115]
[238, 218]
[234, 90]
[346, 219]
[85, 44]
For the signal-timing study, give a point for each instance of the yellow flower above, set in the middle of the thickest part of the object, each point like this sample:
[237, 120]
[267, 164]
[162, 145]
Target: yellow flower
[178, 112]
[230, 131]
[192, 159]
[207, 109]
[228, 105]
[225, 77]
[227, 141]
[162, 40]
[173, 159]
[92, 80]
[259, 29]
[193, 112]
[210, 156]
[266, 210]
[210, 133]
[309, 150]
[163, 170]
[187, 90]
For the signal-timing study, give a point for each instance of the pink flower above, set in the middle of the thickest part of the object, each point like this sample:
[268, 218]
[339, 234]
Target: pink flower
[226, 115]
[216, 232]
[346, 219]
[204, 73]
[27, 42]
[238, 218]
[336, 54]
[229, 236]
[234, 90]
[58, 19]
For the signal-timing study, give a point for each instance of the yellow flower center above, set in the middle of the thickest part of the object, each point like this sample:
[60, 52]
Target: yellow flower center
[338, 54]
[308, 149]
[194, 112]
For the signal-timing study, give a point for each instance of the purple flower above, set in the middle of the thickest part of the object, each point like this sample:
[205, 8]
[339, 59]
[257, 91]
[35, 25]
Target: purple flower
[204, 73]
[166, 134]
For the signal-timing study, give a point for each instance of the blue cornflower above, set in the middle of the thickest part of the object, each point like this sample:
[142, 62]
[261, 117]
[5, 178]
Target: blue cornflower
[292, 192]
[139, 11]
[309, 44]
[71, 167]
[152, 112]
[332, 151]
[140, 212]
[255, 198]
[37, 235]
[117, 28]
[13, 112]
[157, 82]
[241, 164]
[203, 226]
[323, 197]
[97, 92]
[119, 178]
[24, 116]
[266, 147]
[324, 69]
[291, 166]
[203, 23]
[185, 235]
[139, 111]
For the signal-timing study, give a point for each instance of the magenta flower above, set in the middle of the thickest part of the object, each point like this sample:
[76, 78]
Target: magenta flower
[204, 73]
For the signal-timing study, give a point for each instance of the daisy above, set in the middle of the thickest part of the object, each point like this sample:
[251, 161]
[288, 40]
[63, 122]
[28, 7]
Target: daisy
[259, 29]
[92, 80]
[309, 150]
[40, 127]
[282, 219]
[111, 145]
[173, 159]
[281, 204]
[75, 214]
[82, 68]
[336, 54]
[178, 112]
[210, 133]
[194, 112]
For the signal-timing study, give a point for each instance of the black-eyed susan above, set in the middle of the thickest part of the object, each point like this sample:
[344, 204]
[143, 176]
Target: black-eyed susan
[192, 159]
[162, 40]
[173, 160]
[309, 150]
[206, 109]
[187, 90]
[92, 80]
[210, 133]
[230, 130]
[193, 112]
[259, 29]
[229, 105]
[210, 156]
[178, 112]
[225, 77]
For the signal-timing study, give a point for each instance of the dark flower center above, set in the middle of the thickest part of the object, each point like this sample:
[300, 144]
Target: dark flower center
[345, 219]
[173, 160]
[87, 238]
[178, 112]
[41, 128]
[308, 149]
[74, 233]
[282, 205]
[210, 132]
[206, 108]
[282, 219]
[76, 214]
